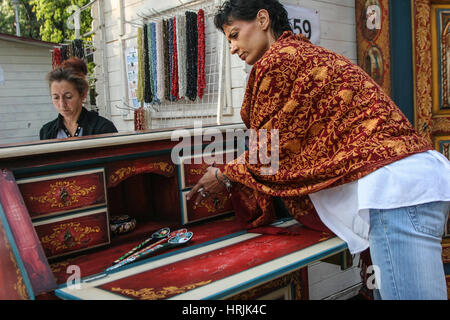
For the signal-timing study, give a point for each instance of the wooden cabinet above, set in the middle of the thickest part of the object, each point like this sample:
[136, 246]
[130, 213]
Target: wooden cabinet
[61, 206]
[57, 198]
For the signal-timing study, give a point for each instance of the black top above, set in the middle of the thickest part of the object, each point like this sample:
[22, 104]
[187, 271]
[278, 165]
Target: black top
[90, 121]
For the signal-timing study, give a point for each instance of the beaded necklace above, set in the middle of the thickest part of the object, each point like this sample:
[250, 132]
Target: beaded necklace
[191, 54]
[166, 60]
[174, 90]
[160, 53]
[181, 49]
[78, 48]
[64, 52]
[140, 119]
[170, 33]
[148, 95]
[153, 64]
[140, 80]
[150, 60]
[77, 132]
[201, 82]
[56, 58]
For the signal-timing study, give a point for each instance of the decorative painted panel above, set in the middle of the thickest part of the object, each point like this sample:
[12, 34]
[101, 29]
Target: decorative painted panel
[373, 40]
[55, 194]
[73, 233]
[440, 19]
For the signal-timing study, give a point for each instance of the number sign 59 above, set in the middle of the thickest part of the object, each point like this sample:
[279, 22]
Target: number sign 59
[303, 27]
[305, 21]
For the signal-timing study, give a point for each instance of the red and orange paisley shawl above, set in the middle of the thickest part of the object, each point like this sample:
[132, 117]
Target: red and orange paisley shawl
[335, 125]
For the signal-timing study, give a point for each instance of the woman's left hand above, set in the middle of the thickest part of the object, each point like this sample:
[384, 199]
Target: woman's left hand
[206, 186]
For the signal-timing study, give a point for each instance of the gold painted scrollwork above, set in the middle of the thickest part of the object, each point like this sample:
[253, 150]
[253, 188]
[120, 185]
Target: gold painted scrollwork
[73, 234]
[212, 205]
[293, 279]
[59, 195]
[119, 174]
[152, 294]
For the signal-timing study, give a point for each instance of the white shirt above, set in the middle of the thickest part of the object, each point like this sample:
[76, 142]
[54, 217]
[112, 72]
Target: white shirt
[417, 179]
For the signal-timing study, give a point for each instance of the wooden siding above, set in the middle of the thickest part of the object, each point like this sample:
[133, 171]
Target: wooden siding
[25, 103]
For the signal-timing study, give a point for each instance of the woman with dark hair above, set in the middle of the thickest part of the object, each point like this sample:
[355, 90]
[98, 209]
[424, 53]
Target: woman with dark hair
[349, 160]
[69, 88]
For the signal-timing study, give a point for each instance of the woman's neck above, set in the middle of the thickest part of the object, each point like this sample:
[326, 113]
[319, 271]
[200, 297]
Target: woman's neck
[71, 123]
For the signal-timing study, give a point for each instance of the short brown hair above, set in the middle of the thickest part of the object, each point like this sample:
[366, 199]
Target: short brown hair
[73, 70]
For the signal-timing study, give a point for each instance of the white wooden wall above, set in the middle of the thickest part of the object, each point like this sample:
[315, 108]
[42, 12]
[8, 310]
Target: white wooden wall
[337, 33]
[25, 103]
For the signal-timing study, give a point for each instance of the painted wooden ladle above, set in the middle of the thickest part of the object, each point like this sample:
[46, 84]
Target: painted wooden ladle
[160, 234]
[174, 241]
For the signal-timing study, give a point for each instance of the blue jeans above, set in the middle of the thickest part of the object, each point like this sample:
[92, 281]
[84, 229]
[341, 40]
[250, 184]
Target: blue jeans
[405, 246]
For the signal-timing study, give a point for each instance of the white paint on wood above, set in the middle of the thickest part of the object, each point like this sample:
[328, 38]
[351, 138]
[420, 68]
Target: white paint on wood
[25, 103]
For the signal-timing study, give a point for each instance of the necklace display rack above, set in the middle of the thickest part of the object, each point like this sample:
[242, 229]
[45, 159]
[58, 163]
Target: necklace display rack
[212, 96]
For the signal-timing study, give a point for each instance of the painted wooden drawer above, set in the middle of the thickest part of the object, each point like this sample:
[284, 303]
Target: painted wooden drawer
[207, 208]
[57, 194]
[73, 233]
[192, 168]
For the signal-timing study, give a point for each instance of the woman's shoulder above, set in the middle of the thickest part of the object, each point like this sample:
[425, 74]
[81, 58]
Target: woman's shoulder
[48, 130]
[100, 124]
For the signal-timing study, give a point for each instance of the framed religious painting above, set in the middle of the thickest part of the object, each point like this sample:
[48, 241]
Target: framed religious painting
[440, 46]
[373, 40]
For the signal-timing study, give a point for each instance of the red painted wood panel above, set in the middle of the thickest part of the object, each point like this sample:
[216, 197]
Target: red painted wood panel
[12, 286]
[59, 195]
[26, 239]
[73, 234]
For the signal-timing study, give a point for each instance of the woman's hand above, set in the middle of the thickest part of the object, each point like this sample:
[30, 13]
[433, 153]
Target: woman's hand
[207, 185]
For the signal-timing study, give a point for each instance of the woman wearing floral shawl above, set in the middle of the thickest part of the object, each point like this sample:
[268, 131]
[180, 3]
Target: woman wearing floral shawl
[349, 160]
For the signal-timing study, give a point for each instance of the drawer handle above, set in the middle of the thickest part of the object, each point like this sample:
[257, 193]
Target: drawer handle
[63, 195]
[68, 238]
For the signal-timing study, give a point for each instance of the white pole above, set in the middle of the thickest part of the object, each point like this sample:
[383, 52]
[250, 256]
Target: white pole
[15, 3]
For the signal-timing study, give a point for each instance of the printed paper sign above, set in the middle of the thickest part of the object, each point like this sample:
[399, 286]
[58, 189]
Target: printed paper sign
[132, 71]
[305, 21]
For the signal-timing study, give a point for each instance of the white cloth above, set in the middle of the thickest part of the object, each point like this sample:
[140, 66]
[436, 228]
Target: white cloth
[417, 179]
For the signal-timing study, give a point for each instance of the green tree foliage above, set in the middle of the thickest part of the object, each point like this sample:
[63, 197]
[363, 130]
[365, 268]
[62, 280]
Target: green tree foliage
[53, 17]
[29, 26]
[45, 20]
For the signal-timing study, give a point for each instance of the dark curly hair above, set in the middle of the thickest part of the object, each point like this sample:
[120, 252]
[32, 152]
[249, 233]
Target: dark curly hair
[247, 10]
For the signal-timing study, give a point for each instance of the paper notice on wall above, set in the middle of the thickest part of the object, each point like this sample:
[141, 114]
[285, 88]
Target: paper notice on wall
[2, 77]
[305, 21]
[131, 56]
